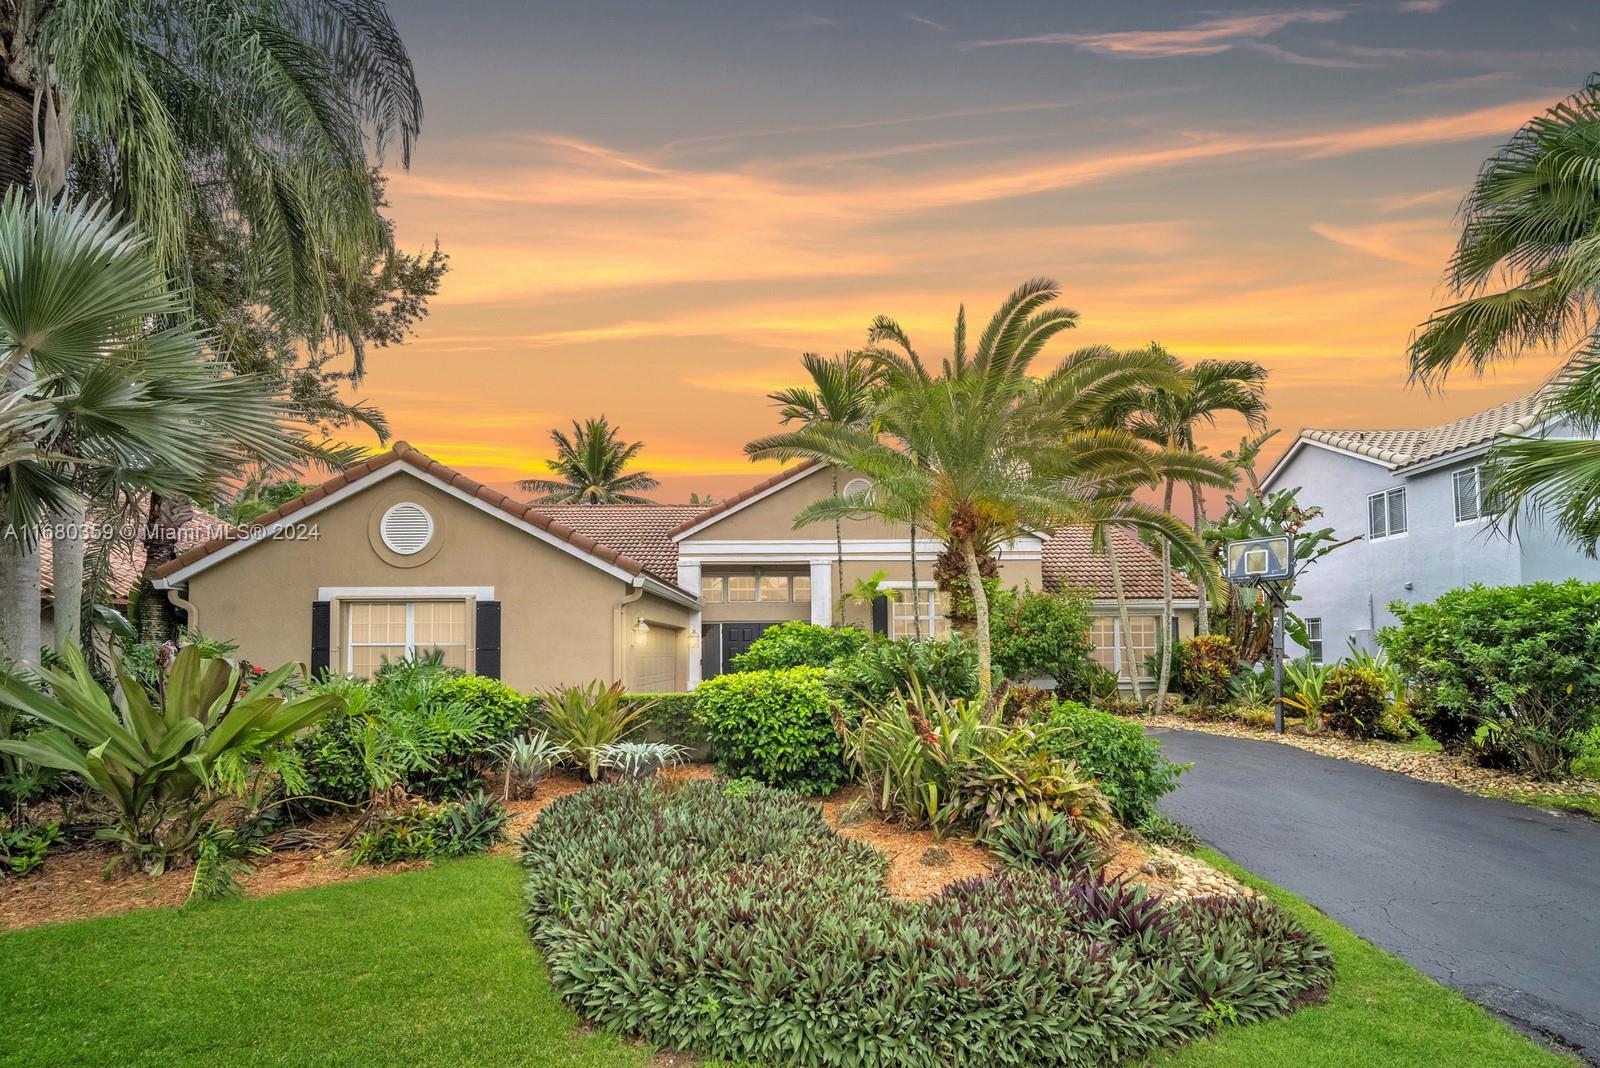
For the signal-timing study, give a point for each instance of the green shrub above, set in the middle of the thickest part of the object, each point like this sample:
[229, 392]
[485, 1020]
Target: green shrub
[1038, 635]
[433, 832]
[1511, 673]
[1050, 841]
[22, 849]
[799, 644]
[586, 719]
[1206, 664]
[1354, 700]
[1132, 772]
[1587, 763]
[504, 711]
[742, 928]
[1163, 831]
[775, 726]
[670, 718]
[882, 668]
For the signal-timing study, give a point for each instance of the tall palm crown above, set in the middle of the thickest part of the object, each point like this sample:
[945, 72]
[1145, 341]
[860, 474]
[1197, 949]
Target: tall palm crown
[590, 464]
[984, 451]
[1527, 273]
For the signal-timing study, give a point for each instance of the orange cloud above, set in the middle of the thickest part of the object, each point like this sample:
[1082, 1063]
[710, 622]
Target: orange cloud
[1202, 39]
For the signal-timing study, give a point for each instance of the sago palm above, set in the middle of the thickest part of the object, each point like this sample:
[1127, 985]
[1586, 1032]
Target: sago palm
[592, 466]
[1527, 272]
[840, 394]
[990, 452]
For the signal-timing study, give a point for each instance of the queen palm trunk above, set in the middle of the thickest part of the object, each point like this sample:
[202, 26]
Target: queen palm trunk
[158, 620]
[980, 609]
[916, 613]
[1164, 639]
[837, 615]
[68, 544]
[1202, 616]
[1126, 621]
[19, 596]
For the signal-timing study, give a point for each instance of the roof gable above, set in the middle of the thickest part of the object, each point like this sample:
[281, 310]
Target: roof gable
[739, 501]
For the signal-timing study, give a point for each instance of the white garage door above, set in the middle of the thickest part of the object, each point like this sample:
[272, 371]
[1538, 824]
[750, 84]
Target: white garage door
[655, 666]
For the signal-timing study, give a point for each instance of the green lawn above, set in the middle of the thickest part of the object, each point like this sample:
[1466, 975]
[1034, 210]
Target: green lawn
[433, 968]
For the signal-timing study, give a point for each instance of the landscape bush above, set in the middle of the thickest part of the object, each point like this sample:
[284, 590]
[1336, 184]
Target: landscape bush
[884, 667]
[426, 831]
[1205, 665]
[1131, 770]
[669, 717]
[1050, 841]
[743, 928]
[1354, 700]
[775, 727]
[1039, 635]
[1509, 673]
[799, 644]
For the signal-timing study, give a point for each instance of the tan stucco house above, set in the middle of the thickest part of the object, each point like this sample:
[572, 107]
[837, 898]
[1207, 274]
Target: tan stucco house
[401, 554]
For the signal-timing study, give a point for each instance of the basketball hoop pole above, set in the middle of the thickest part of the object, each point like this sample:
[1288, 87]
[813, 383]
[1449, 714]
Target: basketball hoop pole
[1277, 654]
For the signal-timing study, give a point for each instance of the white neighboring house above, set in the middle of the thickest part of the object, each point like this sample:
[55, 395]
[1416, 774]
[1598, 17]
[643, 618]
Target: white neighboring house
[1415, 500]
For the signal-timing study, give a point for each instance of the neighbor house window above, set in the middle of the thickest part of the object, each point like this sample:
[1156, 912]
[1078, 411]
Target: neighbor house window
[1386, 513]
[711, 589]
[1314, 640]
[756, 585]
[930, 607]
[802, 588]
[1469, 494]
[774, 587]
[1105, 635]
[380, 631]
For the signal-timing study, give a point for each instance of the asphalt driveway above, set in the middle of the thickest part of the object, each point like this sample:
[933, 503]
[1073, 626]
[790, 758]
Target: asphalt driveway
[1498, 900]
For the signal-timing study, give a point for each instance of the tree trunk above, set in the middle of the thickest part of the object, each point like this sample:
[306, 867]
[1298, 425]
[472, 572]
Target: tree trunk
[1125, 619]
[68, 543]
[16, 133]
[158, 620]
[1202, 616]
[1164, 639]
[19, 600]
[980, 609]
[916, 614]
[838, 548]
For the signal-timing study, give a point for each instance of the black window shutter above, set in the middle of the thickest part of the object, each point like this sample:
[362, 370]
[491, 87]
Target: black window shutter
[486, 655]
[880, 615]
[321, 636]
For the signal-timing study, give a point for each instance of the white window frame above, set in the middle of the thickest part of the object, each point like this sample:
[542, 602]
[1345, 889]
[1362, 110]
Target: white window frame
[758, 574]
[1388, 531]
[1118, 654]
[935, 624]
[1314, 649]
[1476, 471]
[350, 644]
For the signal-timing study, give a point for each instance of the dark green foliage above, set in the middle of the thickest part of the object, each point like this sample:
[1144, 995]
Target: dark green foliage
[1129, 765]
[432, 832]
[1163, 831]
[1354, 700]
[773, 726]
[743, 928]
[1039, 635]
[1511, 672]
[1049, 841]
[883, 668]
[1021, 704]
[1205, 664]
[671, 719]
[799, 644]
[22, 849]
[504, 711]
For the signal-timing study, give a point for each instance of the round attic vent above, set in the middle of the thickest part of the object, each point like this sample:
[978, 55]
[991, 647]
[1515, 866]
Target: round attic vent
[406, 528]
[857, 487]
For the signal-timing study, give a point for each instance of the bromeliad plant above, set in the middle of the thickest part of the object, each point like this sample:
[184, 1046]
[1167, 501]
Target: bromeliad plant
[156, 761]
[586, 719]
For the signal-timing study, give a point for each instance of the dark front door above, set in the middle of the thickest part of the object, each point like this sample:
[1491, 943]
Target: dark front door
[736, 638]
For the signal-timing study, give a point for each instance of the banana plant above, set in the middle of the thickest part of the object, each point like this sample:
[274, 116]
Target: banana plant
[155, 760]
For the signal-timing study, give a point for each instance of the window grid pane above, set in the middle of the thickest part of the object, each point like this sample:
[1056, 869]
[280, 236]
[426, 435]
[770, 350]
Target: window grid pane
[711, 589]
[1103, 636]
[1397, 511]
[1377, 525]
[774, 587]
[1314, 639]
[741, 587]
[802, 588]
[1467, 498]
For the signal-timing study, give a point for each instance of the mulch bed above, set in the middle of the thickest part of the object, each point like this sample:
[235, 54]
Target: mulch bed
[70, 884]
[1445, 769]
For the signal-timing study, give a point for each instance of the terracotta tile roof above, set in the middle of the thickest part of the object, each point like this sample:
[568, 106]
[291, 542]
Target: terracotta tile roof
[1069, 562]
[404, 453]
[739, 498]
[127, 563]
[640, 531]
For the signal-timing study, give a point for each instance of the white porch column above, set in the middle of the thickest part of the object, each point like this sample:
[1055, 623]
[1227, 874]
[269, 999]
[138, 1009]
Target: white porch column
[822, 581]
[689, 579]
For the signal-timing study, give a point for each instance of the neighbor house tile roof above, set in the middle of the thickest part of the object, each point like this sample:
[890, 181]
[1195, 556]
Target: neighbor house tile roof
[402, 452]
[127, 562]
[640, 531]
[1403, 448]
[1070, 562]
[739, 498]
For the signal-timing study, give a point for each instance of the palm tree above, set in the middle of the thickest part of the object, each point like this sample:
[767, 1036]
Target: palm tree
[590, 464]
[840, 394]
[1526, 272]
[121, 407]
[989, 452]
[1168, 417]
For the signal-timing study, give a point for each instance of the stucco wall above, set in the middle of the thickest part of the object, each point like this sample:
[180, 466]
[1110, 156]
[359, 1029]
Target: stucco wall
[772, 517]
[558, 612]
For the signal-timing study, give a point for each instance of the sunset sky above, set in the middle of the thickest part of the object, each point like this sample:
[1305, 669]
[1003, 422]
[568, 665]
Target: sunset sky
[652, 209]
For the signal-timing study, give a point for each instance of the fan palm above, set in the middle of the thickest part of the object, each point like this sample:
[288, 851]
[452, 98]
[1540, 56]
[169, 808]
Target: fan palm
[1526, 271]
[591, 464]
[840, 394]
[117, 406]
[984, 451]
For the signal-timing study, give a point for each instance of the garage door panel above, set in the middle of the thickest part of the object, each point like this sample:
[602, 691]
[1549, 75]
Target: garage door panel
[655, 666]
